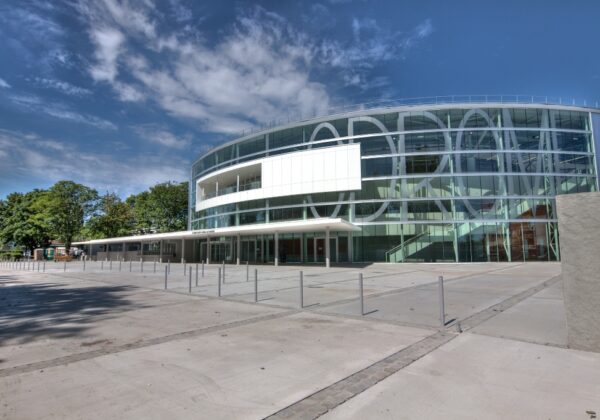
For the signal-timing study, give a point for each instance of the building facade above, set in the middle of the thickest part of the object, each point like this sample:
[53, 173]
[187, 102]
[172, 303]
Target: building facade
[437, 183]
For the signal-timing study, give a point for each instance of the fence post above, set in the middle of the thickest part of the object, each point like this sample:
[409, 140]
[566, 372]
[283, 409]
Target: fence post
[166, 272]
[301, 289]
[255, 285]
[190, 281]
[219, 282]
[196, 274]
[441, 297]
[362, 299]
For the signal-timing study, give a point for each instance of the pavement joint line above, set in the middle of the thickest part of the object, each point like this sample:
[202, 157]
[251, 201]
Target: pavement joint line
[326, 399]
[523, 340]
[92, 354]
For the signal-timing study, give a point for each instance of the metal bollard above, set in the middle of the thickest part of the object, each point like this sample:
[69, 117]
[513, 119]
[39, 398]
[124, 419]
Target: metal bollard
[441, 297]
[38, 270]
[223, 271]
[184, 267]
[219, 293]
[84, 264]
[130, 262]
[190, 281]
[141, 266]
[247, 271]
[255, 285]
[169, 266]
[65, 267]
[102, 265]
[44, 267]
[362, 298]
[154, 266]
[110, 265]
[196, 274]
[301, 289]
[166, 272]
[120, 266]
[203, 268]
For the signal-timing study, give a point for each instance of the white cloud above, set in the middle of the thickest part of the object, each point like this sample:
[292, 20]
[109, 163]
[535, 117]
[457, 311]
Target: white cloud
[48, 160]
[159, 135]
[61, 86]
[4, 84]
[38, 105]
[262, 69]
[108, 42]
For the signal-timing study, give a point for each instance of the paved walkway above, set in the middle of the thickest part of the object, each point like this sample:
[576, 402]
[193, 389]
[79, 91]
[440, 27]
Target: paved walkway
[101, 343]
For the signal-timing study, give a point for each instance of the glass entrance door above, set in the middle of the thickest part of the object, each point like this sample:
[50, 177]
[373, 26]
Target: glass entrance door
[316, 249]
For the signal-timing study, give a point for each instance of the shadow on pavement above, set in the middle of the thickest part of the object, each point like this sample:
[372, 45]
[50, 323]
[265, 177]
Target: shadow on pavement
[30, 312]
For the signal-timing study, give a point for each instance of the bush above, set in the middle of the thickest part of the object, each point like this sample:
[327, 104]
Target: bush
[13, 254]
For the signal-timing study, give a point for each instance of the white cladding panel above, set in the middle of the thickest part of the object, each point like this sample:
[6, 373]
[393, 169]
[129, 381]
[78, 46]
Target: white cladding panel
[319, 170]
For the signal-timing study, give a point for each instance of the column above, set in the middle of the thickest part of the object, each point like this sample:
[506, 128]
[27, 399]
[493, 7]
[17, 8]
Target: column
[276, 249]
[327, 250]
[239, 248]
[208, 250]
[182, 250]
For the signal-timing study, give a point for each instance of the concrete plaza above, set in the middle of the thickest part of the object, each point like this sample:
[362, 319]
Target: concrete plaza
[102, 341]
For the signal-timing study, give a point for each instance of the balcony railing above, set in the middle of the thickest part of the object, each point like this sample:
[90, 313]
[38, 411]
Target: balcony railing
[232, 189]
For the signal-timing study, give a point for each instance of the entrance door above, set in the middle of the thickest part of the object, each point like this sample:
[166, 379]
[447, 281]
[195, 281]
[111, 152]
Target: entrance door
[318, 249]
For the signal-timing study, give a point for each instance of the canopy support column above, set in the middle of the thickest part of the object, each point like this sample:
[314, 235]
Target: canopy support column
[239, 244]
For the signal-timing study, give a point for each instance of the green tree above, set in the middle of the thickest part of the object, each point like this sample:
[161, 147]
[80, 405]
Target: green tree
[114, 218]
[24, 220]
[69, 205]
[163, 208]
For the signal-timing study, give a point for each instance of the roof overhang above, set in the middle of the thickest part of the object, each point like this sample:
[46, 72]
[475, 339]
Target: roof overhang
[295, 226]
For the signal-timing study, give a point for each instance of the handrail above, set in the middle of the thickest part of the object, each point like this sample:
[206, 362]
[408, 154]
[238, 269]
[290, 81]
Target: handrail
[405, 243]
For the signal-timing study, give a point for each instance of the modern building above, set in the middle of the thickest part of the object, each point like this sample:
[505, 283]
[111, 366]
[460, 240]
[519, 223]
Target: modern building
[442, 182]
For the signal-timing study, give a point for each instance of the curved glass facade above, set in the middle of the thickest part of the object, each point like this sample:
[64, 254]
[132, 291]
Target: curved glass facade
[455, 183]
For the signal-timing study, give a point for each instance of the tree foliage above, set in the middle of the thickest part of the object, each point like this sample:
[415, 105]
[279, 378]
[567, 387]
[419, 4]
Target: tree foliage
[69, 205]
[163, 208]
[24, 220]
[114, 218]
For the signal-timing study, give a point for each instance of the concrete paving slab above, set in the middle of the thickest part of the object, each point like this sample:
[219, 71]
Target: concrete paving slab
[477, 377]
[246, 372]
[539, 319]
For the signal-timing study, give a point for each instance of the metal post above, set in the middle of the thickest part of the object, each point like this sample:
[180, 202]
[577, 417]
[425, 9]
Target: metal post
[255, 285]
[110, 265]
[65, 266]
[184, 267]
[223, 271]
[247, 271]
[141, 265]
[190, 282]
[203, 268]
[154, 266]
[196, 274]
[441, 297]
[38, 267]
[169, 266]
[219, 282]
[301, 289]
[102, 265]
[362, 299]
[44, 267]
[119, 266]
[84, 264]
[166, 273]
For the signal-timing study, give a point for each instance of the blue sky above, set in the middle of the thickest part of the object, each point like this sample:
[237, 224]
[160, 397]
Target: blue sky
[120, 95]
